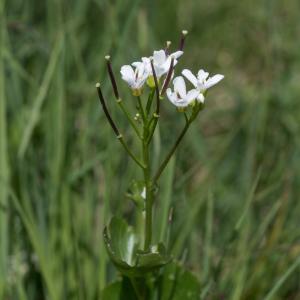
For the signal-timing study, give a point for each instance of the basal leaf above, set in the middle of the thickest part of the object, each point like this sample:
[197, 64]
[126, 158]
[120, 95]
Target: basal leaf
[122, 246]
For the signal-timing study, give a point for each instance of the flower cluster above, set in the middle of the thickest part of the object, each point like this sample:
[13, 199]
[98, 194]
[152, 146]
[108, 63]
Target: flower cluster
[141, 72]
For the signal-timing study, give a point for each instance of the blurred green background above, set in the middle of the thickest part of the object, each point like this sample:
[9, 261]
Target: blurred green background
[234, 185]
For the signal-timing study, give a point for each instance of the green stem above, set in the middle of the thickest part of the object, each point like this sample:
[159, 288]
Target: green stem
[136, 288]
[152, 126]
[188, 122]
[126, 113]
[149, 102]
[149, 198]
[120, 137]
[114, 126]
[171, 152]
[147, 182]
[142, 110]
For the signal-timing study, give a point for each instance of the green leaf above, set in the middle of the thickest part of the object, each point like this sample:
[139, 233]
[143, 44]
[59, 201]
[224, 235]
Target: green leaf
[156, 258]
[120, 242]
[173, 283]
[122, 246]
[119, 290]
[177, 283]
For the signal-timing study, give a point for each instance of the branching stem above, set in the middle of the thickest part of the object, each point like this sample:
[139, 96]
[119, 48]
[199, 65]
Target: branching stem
[115, 128]
[188, 122]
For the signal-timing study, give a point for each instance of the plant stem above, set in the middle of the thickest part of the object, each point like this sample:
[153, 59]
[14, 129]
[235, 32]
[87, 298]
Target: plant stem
[152, 127]
[126, 113]
[188, 122]
[147, 180]
[136, 288]
[149, 102]
[173, 149]
[149, 197]
[120, 137]
[115, 128]
[142, 110]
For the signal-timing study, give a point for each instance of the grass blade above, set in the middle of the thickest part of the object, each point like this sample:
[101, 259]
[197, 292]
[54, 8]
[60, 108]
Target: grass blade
[40, 98]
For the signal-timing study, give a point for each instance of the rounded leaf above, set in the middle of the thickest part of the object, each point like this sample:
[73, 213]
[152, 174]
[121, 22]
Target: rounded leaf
[122, 246]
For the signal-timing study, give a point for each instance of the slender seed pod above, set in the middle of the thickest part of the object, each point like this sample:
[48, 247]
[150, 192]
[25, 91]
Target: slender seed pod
[112, 77]
[106, 112]
[182, 39]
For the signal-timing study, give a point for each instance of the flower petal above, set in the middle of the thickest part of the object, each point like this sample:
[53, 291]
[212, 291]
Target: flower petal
[178, 102]
[213, 80]
[171, 96]
[160, 70]
[181, 103]
[159, 57]
[127, 71]
[192, 95]
[146, 60]
[190, 76]
[179, 86]
[202, 75]
[127, 74]
[140, 70]
[176, 54]
[147, 64]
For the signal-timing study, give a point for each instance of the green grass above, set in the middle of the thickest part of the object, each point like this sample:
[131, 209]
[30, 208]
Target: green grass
[233, 186]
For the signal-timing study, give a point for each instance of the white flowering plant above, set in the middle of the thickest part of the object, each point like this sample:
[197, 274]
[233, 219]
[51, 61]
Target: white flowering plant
[147, 268]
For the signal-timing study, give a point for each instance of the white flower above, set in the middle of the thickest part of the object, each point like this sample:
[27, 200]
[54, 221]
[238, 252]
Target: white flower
[179, 97]
[202, 82]
[161, 62]
[135, 78]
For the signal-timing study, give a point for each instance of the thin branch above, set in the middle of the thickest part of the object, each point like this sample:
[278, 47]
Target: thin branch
[114, 127]
[126, 113]
[150, 100]
[142, 109]
[188, 122]
[170, 154]
[121, 139]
